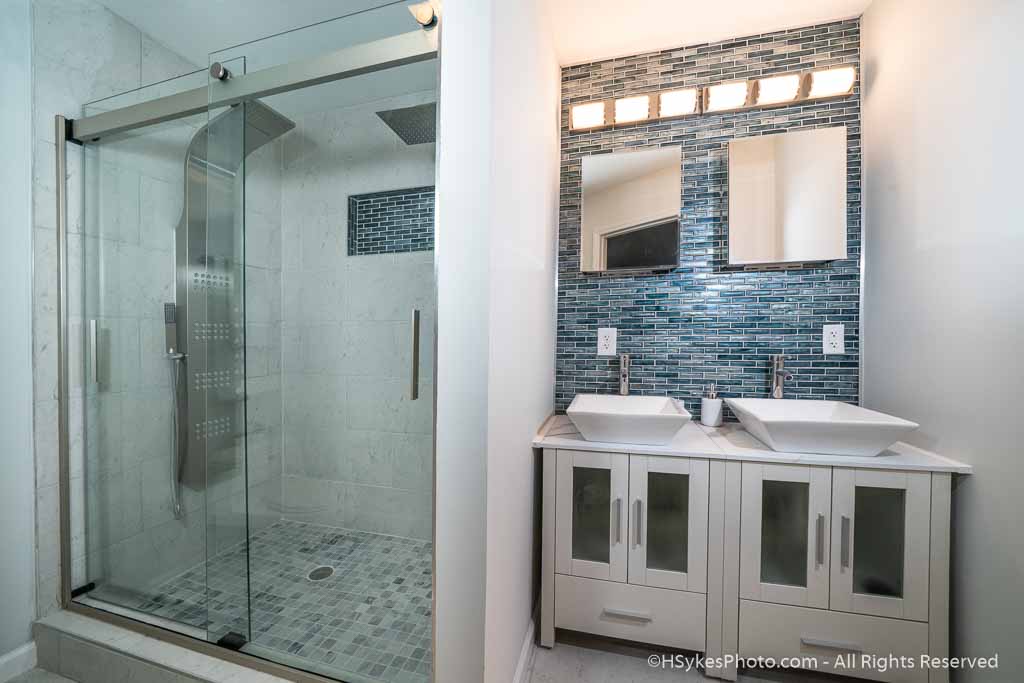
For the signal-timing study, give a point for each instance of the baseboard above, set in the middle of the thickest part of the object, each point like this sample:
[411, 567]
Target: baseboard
[526, 654]
[17, 661]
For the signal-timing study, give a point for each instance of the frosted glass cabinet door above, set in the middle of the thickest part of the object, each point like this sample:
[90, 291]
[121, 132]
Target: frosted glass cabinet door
[590, 516]
[668, 522]
[880, 533]
[784, 540]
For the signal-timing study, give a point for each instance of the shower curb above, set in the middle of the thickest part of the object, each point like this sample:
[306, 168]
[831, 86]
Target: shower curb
[92, 651]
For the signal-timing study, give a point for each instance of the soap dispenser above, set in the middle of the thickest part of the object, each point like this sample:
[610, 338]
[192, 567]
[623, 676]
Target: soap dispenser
[711, 408]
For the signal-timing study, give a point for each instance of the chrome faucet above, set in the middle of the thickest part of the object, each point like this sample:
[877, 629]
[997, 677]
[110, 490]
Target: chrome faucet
[624, 374]
[779, 375]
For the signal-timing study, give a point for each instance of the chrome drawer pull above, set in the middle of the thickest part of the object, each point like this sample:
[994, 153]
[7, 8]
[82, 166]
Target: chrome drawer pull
[831, 644]
[628, 614]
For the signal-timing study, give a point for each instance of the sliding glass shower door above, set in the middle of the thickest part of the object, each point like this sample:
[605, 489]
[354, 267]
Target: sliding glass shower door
[251, 343]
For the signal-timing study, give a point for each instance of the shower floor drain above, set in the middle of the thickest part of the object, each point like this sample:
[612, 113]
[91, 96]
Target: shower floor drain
[320, 573]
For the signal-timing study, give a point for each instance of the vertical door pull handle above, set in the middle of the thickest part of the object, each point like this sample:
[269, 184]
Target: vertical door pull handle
[414, 383]
[638, 523]
[618, 520]
[94, 350]
[819, 541]
[844, 542]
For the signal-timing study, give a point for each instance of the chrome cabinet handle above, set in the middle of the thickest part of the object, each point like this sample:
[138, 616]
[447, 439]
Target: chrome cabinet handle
[414, 388]
[628, 614]
[94, 350]
[819, 541]
[830, 644]
[618, 520]
[844, 542]
[638, 527]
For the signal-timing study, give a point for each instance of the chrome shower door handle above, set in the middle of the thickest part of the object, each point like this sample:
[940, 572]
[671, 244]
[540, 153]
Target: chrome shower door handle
[414, 384]
[94, 350]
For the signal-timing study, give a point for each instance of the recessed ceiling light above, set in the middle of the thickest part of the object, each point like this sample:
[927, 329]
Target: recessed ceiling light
[726, 96]
[832, 82]
[630, 109]
[588, 115]
[678, 103]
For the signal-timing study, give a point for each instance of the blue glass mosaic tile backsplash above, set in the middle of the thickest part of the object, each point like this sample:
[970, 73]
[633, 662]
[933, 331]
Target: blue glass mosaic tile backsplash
[391, 222]
[704, 322]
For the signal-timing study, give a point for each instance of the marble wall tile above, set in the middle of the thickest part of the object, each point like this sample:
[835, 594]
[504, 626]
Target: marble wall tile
[159, 63]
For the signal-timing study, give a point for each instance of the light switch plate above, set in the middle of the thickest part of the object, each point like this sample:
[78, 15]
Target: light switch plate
[606, 341]
[833, 339]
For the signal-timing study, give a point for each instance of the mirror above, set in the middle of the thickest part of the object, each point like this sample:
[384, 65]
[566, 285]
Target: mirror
[787, 197]
[631, 206]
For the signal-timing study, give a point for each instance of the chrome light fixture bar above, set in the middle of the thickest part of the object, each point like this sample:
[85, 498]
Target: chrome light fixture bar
[778, 90]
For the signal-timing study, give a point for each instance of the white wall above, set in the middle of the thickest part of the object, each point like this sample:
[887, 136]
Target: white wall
[943, 311]
[497, 217]
[522, 315]
[17, 483]
[462, 244]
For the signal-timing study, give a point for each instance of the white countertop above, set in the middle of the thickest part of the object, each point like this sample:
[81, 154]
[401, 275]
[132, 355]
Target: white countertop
[732, 442]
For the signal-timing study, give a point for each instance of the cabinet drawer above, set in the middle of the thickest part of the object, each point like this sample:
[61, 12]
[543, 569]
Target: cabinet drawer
[617, 610]
[768, 630]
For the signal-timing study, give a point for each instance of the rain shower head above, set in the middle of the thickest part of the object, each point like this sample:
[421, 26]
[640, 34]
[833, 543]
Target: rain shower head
[262, 124]
[415, 125]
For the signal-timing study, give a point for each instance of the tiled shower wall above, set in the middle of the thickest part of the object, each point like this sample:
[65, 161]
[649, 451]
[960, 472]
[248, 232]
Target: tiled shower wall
[357, 451]
[703, 322]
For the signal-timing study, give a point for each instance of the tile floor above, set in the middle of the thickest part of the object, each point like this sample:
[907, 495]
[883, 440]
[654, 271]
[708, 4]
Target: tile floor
[369, 621]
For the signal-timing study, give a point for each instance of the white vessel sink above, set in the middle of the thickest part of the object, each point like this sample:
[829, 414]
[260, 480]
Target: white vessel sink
[646, 420]
[830, 427]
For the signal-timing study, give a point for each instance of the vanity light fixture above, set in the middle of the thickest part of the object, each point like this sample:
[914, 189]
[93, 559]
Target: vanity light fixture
[726, 96]
[590, 115]
[778, 89]
[831, 82]
[769, 91]
[632, 109]
[673, 103]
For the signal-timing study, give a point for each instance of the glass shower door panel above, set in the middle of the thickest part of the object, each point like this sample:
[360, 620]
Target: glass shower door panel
[338, 429]
[134, 528]
[212, 282]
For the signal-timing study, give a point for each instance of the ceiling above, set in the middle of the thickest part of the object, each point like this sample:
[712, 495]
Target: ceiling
[583, 30]
[592, 30]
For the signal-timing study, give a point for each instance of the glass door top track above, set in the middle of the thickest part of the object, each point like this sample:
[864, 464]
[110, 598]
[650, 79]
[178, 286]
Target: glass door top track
[387, 53]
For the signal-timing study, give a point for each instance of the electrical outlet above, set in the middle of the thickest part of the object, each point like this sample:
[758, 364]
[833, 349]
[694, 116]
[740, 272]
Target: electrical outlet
[606, 341]
[833, 339]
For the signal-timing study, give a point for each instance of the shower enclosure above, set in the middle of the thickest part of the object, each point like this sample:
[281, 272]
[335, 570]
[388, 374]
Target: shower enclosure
[246, 352]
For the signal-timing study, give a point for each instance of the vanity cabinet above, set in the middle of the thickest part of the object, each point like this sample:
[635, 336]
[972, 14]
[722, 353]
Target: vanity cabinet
[631, 547]
[720, 547]
[784, 545]
[881, 540]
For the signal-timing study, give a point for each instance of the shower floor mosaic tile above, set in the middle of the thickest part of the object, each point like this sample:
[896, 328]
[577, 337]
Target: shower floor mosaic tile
[369, 620]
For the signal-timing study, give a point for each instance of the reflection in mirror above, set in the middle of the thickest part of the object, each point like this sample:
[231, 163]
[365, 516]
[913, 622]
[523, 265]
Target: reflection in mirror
[787, 197]
[631, 206]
